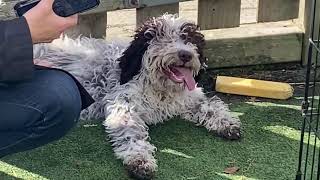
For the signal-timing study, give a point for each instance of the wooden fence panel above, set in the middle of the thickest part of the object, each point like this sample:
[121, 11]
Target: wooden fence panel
[105, 5]
[262, 43]
[277, 10]
[214, 14]
[154, 11]
[316, 35]
[93, 25]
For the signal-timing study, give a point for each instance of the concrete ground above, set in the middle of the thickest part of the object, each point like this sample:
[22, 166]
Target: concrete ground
[121, 23]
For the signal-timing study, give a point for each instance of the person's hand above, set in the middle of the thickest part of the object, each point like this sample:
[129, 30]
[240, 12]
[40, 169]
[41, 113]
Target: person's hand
[45, 25]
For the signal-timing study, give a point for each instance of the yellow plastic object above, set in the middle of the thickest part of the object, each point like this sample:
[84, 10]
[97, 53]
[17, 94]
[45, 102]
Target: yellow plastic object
[252, 87]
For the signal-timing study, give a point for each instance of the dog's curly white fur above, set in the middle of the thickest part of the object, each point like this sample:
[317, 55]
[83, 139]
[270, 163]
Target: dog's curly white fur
[143, 83]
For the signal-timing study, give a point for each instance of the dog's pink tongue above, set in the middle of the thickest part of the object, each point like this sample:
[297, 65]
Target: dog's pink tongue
[187, 77]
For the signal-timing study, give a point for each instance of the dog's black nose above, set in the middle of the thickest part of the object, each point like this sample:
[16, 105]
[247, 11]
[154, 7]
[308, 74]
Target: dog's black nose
[185, 56]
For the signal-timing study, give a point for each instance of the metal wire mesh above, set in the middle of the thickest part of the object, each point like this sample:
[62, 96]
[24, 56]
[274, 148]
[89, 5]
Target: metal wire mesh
[309, 154]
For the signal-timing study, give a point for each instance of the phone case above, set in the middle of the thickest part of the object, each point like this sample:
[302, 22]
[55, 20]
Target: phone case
[24, 6]
[60, 7]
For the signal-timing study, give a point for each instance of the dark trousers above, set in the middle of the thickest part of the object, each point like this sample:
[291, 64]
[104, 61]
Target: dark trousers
[36, 112]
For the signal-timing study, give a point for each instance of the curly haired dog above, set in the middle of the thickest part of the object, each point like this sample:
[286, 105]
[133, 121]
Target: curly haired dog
[147, 82]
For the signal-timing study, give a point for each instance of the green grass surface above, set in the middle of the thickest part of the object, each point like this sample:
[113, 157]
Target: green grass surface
[268, 150]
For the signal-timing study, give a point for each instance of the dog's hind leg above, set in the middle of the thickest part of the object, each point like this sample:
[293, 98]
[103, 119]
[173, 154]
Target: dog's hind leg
[129, 137]
[213, 114]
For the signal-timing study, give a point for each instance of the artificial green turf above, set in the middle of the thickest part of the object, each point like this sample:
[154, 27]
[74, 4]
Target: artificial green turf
[268, 150]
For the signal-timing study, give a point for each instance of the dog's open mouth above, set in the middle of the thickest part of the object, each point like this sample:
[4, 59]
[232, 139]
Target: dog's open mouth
[181, 75]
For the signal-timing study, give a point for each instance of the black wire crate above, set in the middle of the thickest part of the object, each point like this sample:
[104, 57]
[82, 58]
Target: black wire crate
[309, 153]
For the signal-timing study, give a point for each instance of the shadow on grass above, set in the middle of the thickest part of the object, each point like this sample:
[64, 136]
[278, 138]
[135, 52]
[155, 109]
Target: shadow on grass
[268, 150]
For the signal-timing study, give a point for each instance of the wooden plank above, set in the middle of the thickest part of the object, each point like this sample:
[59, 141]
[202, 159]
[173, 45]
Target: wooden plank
[301, 17]
[305, 22]
[315, 34]
[213, 14]
[277, 10]
[93, 25]
[154, 11]
[111, 5]
[105, 5]
[263, 43]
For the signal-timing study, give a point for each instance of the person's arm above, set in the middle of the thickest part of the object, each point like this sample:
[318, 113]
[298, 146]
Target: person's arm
[38, 25]
[15, 50]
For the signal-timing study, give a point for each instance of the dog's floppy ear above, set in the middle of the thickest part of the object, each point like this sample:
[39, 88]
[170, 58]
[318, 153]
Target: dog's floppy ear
[130, 61]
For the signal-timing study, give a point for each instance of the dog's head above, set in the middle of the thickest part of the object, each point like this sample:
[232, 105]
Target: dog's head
[167, 49]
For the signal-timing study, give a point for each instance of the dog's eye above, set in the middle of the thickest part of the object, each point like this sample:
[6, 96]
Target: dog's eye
[183, 36]
[149, 34]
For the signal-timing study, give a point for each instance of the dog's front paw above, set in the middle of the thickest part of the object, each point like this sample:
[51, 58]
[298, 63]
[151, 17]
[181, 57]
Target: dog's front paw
[140, 169]
[232, 132]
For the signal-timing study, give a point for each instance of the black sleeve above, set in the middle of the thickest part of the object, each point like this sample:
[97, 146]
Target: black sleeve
[16, 50]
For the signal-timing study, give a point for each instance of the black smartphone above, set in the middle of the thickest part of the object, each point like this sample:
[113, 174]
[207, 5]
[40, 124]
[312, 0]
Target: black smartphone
[63, 8]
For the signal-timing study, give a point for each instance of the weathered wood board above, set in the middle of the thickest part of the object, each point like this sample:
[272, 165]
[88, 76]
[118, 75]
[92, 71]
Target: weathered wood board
[245, 45]
[305, 22]
[277, 10]
[91, 25]
[154, 11]
[253, 44]
[94, 22]
[105, 5]
[213, 14]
